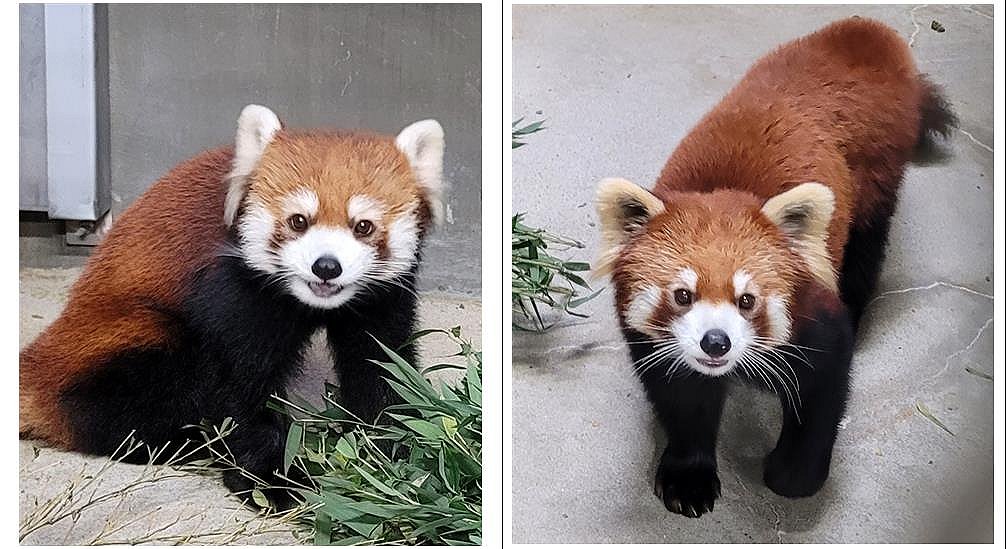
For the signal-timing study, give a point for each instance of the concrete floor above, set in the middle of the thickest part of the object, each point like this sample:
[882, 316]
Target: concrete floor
[618, 86]
[161, 504]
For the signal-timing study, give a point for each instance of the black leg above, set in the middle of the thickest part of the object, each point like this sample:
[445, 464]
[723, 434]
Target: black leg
[363, 391]
[820, 358]
[689, 409]
[862, 263]
[134, 394]
[257, 446]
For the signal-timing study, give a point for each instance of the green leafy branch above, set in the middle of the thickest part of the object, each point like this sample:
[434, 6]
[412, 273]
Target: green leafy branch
[415, 477]
[538, 277]
[517, 133]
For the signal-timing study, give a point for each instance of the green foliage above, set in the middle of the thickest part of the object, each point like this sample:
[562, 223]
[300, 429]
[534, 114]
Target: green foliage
[538, 277]
[412, 478]
[517, 133]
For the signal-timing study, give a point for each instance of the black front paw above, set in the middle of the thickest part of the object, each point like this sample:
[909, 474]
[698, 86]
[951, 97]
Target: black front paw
[795, 475]
[687, 489]
[278, 498]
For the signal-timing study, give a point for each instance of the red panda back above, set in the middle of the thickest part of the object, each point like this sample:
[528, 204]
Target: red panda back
[840, 107]
[171, 231]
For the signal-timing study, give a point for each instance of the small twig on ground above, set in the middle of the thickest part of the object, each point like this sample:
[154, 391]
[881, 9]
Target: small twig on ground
[930, 416]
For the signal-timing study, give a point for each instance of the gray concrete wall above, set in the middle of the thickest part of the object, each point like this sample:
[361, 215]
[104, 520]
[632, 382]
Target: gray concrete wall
[179, 75]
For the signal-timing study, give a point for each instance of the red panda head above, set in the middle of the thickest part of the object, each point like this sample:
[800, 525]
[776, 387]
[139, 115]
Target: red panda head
[710, 277]
[330, 214]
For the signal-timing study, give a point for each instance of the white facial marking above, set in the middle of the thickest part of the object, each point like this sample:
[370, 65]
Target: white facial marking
[688, 280]
[355, 259]
[364, 207]
[302, 201]
[359, 261]
[780, 320]
[702, 317]
[641, 308]
[255, 229]
[741, 282]
[402, 241]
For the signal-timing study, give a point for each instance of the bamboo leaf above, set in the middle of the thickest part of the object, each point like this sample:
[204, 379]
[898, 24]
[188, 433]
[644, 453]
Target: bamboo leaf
[294, 440]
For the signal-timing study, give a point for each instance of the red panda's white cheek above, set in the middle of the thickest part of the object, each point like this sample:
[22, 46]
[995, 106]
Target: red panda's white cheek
[402, 240]
[256, 229]
[641, 309]
[396, 238]
[778, 318]
[263, 228]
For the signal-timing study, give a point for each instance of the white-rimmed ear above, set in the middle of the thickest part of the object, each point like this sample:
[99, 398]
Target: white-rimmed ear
[623, 208]
[803, 214]
[256, 127]
[423, 144]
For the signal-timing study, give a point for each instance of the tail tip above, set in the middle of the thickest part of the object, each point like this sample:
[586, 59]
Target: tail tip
[937, 119]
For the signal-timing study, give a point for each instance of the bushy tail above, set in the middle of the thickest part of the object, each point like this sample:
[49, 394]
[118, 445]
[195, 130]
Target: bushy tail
[937, 118]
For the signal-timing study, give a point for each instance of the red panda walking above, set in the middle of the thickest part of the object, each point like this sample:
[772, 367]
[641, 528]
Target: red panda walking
[759, 245]
[201, 299]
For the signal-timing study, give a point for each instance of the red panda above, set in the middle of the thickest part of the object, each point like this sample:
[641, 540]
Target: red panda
[201, 299]
[755, 253]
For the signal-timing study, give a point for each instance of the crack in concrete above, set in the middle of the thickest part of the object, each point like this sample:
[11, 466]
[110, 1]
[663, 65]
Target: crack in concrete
[773, 509]
[975, 140]
[346, 84]
[940, 283]
[948, 359]
[917, 27]
[978, 12]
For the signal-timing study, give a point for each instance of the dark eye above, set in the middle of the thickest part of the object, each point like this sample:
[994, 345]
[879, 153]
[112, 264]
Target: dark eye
[683, 297]
[363, 228]
[298, 222]
[746, 302]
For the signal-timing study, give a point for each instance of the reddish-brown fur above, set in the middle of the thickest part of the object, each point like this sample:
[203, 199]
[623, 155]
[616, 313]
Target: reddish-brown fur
[787, 186]
[109, 306]
[840, 107]
[174, 230]
[336, 166]
[715, 247]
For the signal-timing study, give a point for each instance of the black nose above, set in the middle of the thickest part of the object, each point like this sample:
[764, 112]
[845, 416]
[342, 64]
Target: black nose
[326, 267]
[715, 343]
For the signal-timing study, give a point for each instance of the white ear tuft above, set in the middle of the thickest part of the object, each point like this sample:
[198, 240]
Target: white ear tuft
[256, 127]
[423, 144]
[803, 214]
[623, 208]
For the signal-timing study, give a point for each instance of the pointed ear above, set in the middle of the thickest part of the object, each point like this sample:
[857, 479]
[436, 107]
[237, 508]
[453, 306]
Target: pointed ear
[803, 214]
[423, 144]
[256, 127]
[623, 208]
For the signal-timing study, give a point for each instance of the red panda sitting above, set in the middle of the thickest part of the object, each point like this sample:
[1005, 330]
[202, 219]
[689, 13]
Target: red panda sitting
[757, 249]
[202, 298]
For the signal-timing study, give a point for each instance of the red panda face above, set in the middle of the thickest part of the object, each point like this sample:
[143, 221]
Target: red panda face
[708, 278]
[330, 215]
[715, 290]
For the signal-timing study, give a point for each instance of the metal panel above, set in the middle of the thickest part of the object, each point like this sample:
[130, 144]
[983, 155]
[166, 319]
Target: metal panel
[32, 138]
[72, 113]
